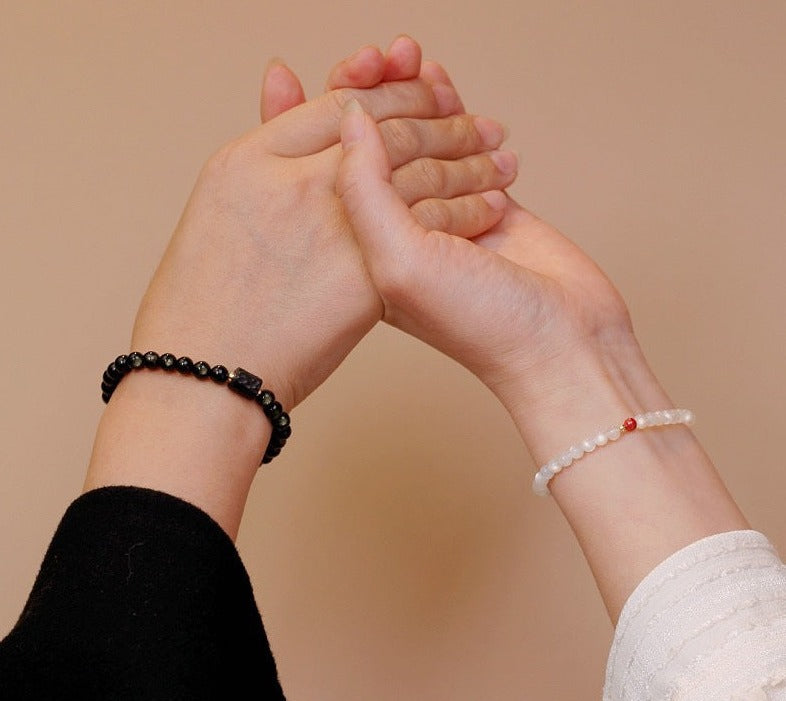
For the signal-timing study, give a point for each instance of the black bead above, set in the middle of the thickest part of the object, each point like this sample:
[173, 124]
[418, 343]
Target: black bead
[135, 360]
[276, 442]
[201, 369]
[151, 359]
[167, 361]
[239, 380]
[218, 373]
[184, 364]
[121, 364]
[282, 421]
[265, 398]
[245, 383]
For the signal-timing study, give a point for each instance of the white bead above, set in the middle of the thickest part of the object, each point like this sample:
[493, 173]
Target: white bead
[643, 420]
[540, 485]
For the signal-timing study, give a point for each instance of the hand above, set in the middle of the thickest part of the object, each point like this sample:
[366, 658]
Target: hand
[539, 323]
[264, 241]
[263, 271]
[367, 67]
[511, 304]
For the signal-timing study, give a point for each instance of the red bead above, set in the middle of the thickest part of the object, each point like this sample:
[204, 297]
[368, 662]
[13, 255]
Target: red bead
[629, 424]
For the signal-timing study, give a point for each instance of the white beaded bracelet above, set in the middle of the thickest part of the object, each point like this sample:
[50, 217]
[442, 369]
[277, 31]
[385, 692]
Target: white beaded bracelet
[665, 417]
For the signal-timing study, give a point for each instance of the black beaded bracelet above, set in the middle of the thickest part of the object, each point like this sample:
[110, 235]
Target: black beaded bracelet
[239, 380]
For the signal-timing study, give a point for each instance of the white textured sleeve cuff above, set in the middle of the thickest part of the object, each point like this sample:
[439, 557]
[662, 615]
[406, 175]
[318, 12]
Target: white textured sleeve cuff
[707, 623]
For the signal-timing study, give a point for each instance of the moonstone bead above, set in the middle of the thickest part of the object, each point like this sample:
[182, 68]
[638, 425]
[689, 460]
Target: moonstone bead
[540, 485]
[641, 420]
[577, 451]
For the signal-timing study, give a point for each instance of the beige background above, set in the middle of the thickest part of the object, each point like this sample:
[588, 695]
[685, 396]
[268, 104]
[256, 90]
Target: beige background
[395, 547]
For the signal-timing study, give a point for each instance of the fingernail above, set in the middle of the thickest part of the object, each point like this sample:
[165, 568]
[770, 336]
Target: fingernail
[496, 199]
[507, 162]
[446, 97]
[363, 50]
[275, 61]
[435, 73]
[353, 123]
[491, 132]
[401, 38]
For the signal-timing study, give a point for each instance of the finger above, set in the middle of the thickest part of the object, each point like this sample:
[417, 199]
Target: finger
[281, 90]
[466, 216]
[386, 229]
[435, 74]
[402, 59]
[450, 137]
[363, 69]
[427, 178]
[314, 125]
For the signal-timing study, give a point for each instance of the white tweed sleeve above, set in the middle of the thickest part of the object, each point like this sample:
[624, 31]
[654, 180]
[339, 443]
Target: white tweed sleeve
[707, 623]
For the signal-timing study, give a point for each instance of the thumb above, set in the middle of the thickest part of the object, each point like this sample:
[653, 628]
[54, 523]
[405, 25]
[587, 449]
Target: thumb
[386, 229]
[281, 90]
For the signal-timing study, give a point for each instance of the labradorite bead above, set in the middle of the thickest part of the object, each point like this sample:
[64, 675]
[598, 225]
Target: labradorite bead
[201, 369]
[151, 359]
[218, 373]
[184, 365]
[166, 361]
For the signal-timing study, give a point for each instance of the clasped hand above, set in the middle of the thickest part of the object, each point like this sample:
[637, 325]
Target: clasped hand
[263, 268]
[293, 246]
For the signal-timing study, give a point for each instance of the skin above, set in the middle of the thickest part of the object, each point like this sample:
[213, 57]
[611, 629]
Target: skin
[263, 271]
[535, 319]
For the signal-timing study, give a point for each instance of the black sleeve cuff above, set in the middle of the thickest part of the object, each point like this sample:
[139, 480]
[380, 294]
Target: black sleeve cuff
[140, 596]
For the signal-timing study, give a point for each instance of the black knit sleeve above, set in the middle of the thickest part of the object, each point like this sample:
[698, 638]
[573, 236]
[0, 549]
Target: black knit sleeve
[140, 596]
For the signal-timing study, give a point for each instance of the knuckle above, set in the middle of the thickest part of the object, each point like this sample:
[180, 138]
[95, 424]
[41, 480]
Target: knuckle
[336, 99]
[464, 134]
[402, 139]
[433, 176]
[434, 214]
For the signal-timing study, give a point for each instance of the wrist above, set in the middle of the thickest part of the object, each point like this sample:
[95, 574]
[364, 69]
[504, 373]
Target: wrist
[190, 438]
[635, 501]
[575, 393]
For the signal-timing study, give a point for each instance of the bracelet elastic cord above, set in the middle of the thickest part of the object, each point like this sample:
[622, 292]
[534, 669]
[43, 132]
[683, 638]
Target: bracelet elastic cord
[239, 380]
[665, 417]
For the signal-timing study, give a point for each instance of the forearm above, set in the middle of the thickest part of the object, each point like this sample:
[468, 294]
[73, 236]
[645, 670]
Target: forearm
[635, 501]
